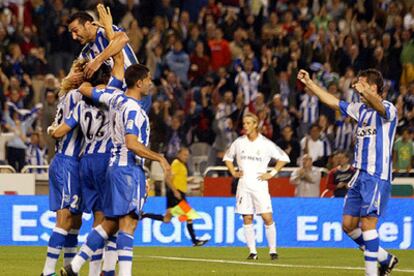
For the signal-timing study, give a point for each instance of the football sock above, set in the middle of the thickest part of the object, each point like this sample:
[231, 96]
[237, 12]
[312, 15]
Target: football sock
[190, 229]
[95, 263]
[71, 246]
[371, 241]
[94, 241]
[124, 246]
[110, 257]
[153, 216]
[271, 237]
[383, 256]
[250, 237]
[55, 245]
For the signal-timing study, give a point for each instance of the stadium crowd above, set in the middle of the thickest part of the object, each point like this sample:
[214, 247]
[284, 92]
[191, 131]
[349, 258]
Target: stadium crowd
[212, 61]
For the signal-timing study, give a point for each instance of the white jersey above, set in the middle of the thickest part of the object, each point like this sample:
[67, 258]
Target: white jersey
[252, 159]
[71, 143]
[126, 117]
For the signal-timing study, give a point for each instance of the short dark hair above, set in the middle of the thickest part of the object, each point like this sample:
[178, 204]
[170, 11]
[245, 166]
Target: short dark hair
[135, 73]
[373, 77]
[102, 75]
[81, 16]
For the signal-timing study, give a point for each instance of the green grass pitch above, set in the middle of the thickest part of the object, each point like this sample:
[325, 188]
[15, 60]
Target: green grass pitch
[226, 261]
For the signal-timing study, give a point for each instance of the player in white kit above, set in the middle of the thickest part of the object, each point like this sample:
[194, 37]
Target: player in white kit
[253, 152]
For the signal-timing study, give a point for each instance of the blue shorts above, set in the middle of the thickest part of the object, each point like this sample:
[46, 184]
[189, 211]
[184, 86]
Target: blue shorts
[127, 190]
[368, 196]
[64, 184]
[92, 173]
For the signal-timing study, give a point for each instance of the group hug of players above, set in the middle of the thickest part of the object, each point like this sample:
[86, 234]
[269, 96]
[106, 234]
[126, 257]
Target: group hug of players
[103, 131]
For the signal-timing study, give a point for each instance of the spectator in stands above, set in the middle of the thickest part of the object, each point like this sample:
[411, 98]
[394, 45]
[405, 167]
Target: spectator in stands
[200, 64]
[309, 112]
[404, 152]
[340, 176]
[47, 119]
[247, 82]
[36, 152]
[178, 61]
[313, 146]
[175, 138]
[225, 135]
[290, 145]
[220, 50]
[307, 179]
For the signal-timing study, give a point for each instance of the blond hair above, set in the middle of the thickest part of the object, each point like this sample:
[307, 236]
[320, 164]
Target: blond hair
[253, 117]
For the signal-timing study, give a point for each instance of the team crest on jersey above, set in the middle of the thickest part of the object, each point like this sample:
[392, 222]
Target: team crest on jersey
[130, 124]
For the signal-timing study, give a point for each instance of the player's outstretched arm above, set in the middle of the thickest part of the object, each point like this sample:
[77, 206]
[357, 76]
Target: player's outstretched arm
[321, 93]
[139, 149]
[59, 131]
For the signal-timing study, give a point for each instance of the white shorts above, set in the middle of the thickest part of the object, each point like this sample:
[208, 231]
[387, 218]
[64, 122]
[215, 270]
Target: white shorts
[249, 202]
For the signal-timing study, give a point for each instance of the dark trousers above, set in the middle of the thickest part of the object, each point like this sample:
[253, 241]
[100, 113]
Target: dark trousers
[16, 158]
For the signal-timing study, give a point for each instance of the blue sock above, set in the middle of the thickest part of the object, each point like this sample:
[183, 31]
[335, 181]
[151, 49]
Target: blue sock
[356, 235]
[124, 246]
[55, 245]
[95, 240]
[371, 241]
[71, 246]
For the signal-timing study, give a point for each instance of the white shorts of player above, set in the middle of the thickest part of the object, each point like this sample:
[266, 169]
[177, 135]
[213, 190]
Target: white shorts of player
[253, 202]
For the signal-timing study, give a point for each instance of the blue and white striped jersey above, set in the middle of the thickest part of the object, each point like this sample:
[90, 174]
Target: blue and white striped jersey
[92, 49]
[126, 117]
[71, 143]
[35, 155]
[309, 108]
[94, 122]
[374, 137]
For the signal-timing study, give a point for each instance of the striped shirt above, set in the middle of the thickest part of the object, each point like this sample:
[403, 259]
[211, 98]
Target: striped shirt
[35, 155]
[94, 122]
[71, 143]
[309, 108]
[126, 117]
[374, 137]
[92, 49]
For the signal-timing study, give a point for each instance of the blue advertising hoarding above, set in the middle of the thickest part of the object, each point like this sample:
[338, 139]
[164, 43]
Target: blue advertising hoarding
[301, 222]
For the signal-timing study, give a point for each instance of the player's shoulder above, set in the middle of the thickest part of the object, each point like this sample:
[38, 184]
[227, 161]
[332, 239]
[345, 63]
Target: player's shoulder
[265, 140]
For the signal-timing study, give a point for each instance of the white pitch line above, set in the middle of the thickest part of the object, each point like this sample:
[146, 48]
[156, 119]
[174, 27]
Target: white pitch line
[267, 264]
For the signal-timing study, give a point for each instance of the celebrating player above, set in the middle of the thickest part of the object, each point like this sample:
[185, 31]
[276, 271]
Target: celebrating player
[370, 187]
[98, 47]
[253, 152]
[64, 186]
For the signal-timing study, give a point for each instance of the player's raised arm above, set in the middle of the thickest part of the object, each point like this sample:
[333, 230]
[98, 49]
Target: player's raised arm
[117, 43]
[321, 93]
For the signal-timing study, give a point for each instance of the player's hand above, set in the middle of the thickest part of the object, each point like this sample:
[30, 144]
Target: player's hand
[304, 77]
[237, 174]
[362, 87]
[92, 67]
[177, 194]
[105, 17]
[265, 176]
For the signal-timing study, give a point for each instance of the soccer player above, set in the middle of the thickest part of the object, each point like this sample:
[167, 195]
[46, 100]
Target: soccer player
[253, 152]
[98, 48]
[64, 186]
[130, 135]
[370, 187]
[179, 181]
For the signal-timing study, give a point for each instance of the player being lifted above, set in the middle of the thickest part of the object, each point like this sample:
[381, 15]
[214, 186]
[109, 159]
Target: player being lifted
[99, 48]
[64, 184]
[126, 178]
[253, 152]
[370, 187]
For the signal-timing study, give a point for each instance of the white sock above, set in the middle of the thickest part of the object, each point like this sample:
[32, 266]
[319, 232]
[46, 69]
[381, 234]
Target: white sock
[382, 254]
[69, 251]
[371, 252]
[110, 256]
[95, 263]
[271, 237]
[250, 237]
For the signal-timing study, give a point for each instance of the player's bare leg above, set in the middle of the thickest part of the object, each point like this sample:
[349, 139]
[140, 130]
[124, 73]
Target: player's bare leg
[271, 236]
[250, 236]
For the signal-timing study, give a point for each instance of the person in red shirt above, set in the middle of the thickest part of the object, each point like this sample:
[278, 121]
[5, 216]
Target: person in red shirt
[200, 63]
[339, 177]
[220, 51]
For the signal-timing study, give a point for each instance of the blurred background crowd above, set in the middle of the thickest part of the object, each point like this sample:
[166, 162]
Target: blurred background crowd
[212, 61]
